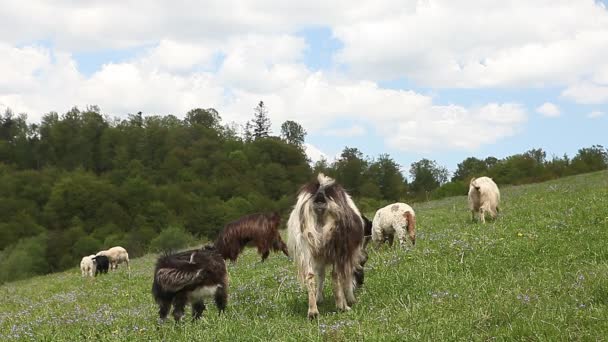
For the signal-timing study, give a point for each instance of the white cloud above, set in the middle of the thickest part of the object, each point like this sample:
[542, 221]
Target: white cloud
[314, 153]
[406, 119]
[352, 131]
[479, 43]
[587, 93]
[595, 114]
[549, 110]
[178, 56]
[230, 55]
[455, 127]
[440, 43]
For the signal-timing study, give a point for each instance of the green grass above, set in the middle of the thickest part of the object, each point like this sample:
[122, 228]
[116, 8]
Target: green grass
[540, 272]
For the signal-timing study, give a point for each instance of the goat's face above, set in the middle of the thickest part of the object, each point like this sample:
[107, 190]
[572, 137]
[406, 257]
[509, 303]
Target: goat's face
[319, 202]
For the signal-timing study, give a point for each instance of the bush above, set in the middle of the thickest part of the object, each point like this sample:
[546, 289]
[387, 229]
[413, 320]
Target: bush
[454, 188]
[171, 239]
[24, 259]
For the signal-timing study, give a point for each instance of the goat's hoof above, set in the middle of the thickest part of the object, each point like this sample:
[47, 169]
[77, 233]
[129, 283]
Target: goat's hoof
[345, 308]
[312, 314]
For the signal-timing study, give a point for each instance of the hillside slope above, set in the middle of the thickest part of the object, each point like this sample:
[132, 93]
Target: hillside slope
[539, 272]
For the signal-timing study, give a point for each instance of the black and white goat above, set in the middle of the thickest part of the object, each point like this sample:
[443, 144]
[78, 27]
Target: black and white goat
[190, 277]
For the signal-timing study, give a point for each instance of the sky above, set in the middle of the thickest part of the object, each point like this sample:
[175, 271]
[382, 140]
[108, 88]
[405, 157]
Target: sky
[436, 79]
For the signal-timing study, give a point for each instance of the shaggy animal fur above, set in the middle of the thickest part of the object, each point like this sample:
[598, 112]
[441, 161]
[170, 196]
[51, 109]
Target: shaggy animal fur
[394, 219]
[367, 236]
[190, 277]
[117, 255]
[326, 228]
[88, 266]
[103, 264]
[484, 197]
[260, 230]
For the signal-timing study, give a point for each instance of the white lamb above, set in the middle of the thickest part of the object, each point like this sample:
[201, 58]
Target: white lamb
[116, 255]
[88, 266]
[394, 219]
[484, 197]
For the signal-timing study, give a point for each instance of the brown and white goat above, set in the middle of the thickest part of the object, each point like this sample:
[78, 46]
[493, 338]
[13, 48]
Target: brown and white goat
[326, 228]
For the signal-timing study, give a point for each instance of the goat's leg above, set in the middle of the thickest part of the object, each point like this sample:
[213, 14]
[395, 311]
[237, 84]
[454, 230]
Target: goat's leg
[348, 287]
[339, 291]
[320, 272]
[165, 306]
[265, 255]
[482, 215]
[197, 309]
[494, 212]
[179, 304]
[221, 298]
[391, 238]
[313, 311]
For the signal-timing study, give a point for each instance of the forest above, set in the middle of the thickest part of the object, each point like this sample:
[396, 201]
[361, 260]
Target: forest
[81, 181]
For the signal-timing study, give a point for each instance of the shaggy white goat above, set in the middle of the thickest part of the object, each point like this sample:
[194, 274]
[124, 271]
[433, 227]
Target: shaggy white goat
[394, 219]
[88, 266]
[326, 228]
[117, 255]
[484, 197]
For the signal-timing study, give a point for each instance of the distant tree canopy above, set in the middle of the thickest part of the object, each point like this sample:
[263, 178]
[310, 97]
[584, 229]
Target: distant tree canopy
[293, 133]
[261, 122]
[80, 182]
[427, 176]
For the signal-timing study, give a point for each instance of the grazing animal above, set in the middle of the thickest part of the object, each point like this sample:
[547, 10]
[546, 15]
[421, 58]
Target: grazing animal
[117, 255]
[484, 197]
[326, 228]
[88, 265]
[190, 277]
[394, 219]
[261, 230]
[367, 230]
[103, 264]
[367, 236]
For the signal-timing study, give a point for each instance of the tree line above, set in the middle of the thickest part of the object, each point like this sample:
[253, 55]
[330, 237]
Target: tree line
[81, 181]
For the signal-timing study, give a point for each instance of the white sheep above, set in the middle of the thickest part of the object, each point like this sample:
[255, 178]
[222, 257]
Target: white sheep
[88, 266]
[394, 219]
[117, 255]
[484, 197]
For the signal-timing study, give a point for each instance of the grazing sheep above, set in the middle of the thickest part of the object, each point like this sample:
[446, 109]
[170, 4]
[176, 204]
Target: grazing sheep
[260, 230]
[117, 255]
[394, 219]
[88, 265]
[189, 277]
[103, 263]
[484, 197]
[326, 228]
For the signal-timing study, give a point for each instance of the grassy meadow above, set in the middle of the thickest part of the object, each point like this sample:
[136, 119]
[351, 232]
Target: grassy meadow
[540, 272]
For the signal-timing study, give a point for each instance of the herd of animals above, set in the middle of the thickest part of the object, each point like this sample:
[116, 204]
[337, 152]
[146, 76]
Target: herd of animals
[324, 229]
